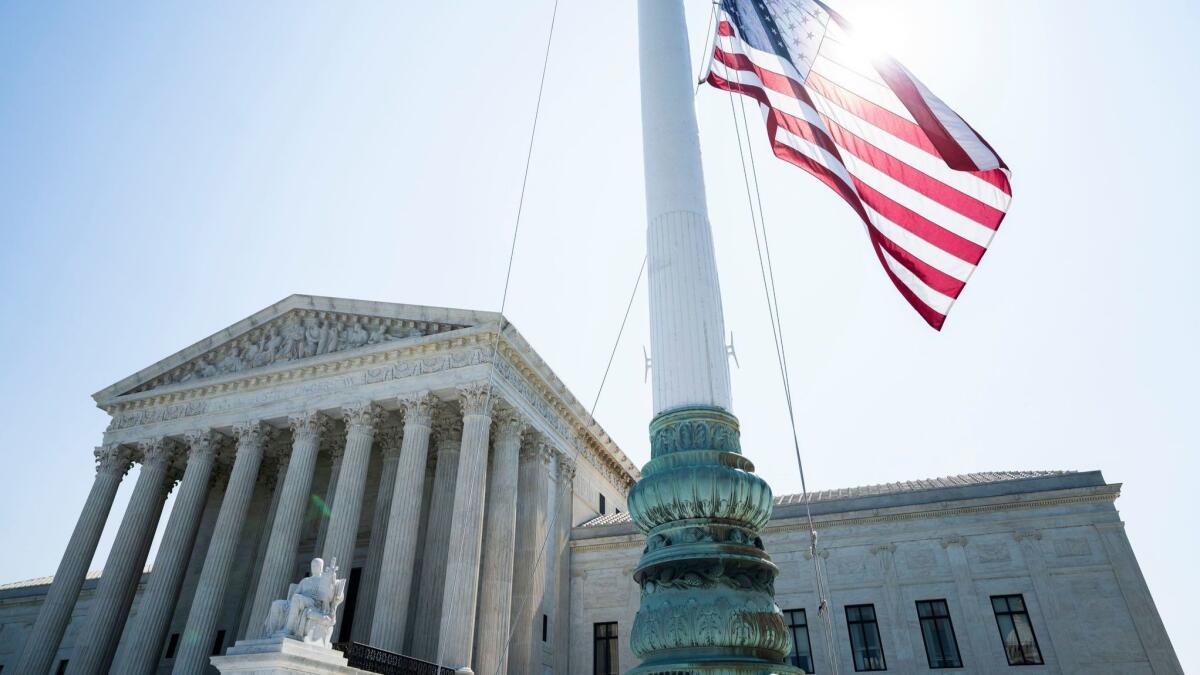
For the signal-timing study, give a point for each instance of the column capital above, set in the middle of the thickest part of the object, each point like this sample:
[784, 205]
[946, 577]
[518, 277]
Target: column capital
[882, 548]
[361, 417]
[156, 452]
[112, 460]
[447, 428]
[418, 407]
[476, 398]
[390, 437]
[510, 424]
[202, 442]
[538, 449]
[309, 424]
[566, 469]
[251, 433]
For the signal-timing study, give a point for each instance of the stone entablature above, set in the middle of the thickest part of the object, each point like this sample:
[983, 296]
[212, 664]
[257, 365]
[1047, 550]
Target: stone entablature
[380, 370]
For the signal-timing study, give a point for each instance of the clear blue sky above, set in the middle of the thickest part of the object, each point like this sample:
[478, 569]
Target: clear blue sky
[169, 168]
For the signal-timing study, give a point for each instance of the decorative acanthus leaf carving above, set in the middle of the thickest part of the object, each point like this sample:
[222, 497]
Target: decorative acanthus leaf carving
[157, 452]
[308, 425]
[112, 460]
[362, 418]
[476, 398]
[418, 408]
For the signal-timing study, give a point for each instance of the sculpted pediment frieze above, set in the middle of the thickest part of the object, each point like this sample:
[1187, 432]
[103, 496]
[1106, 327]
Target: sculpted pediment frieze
[296, 335]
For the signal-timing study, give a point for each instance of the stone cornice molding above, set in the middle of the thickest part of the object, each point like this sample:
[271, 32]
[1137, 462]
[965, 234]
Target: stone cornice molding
[797, 523]
[522, 365]
[362, 417]
[112, 460]
[418, 408]
[476, 399]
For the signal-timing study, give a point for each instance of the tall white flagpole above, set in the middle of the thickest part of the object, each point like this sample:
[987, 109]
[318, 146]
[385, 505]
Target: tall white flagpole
[707, 601]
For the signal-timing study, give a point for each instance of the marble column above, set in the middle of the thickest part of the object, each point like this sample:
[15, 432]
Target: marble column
[42, 645]
[274, 472]
[108, 610]
[529, 578]
[418, 566]
[158, 602]
[564, 496]
[336, 449]
[447, 429]
[395, 581]
[280, 559]
[499, 530]
[459, 599]
[390, 444]
[201, 630]
[361, 420]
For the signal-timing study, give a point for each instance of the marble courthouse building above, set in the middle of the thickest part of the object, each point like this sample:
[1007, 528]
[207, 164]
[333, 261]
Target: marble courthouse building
[463, 514]
[361, 432]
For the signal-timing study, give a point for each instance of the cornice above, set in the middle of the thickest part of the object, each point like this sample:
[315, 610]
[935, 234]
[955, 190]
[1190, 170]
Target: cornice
[798, 523]
[597, 447]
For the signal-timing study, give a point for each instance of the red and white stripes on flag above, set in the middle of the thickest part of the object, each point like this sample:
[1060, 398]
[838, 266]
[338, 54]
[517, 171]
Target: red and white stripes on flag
[930, 190]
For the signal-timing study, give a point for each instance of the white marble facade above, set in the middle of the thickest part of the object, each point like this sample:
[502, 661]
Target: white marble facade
[1055, 538]
[406, 442]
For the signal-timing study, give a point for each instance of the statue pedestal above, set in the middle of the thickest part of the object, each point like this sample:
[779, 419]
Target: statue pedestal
[282, 656]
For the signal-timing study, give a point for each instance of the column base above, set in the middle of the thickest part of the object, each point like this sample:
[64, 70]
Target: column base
[282, 656]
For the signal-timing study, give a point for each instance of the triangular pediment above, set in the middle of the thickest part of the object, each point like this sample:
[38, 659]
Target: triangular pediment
[299, 327]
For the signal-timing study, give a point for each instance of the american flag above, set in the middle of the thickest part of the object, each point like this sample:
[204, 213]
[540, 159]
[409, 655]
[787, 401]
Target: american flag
[930, 190]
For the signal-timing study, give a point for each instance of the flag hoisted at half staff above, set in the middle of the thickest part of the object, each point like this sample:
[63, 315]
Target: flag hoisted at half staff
[930, 190]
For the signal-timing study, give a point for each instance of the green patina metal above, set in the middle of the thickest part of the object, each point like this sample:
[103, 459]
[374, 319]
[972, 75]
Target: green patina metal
[708, 586]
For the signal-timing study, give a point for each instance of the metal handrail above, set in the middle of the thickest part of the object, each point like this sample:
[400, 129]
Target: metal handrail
[375, 660]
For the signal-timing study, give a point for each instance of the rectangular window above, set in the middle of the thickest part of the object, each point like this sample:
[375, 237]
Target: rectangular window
[864, 638]
[941, 647]
[62, 667]
[219, 643]
[172, 646]
[801, 655]
[545, 626]
[1016, 631]
[604, 649]
[603, 508]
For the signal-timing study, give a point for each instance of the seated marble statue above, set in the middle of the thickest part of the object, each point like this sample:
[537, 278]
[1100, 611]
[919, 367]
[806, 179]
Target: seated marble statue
[310, 610]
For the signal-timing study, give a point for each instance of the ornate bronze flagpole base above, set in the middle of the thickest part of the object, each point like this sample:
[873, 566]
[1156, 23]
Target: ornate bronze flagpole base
[708, 586]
